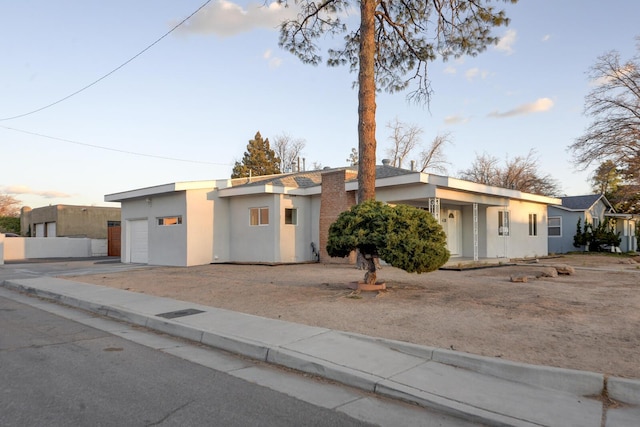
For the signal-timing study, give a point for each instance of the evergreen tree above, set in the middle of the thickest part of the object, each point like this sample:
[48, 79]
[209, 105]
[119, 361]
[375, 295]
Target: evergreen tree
[404, 236]
[580, 239]
[259, 159]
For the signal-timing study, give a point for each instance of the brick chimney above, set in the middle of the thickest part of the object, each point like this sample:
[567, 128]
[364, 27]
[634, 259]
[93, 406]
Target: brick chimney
[333, 201]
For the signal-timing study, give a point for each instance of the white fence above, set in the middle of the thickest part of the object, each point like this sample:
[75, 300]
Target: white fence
[18, 248]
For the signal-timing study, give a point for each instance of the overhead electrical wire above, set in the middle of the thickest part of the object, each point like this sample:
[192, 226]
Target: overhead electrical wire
[110, 72]
[112, 149]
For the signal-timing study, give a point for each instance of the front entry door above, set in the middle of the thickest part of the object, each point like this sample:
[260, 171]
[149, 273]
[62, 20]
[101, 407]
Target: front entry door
[452, 227]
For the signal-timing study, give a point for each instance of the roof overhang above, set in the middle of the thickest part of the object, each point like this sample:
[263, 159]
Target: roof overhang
[161, 189]
[473, 187]
[620, 215]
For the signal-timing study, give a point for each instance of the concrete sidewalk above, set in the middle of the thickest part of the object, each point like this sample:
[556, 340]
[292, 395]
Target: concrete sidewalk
[486, 390]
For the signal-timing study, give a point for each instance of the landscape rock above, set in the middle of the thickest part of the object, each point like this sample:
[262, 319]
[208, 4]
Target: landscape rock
[519, 278]
[548, 272]
[565, 269]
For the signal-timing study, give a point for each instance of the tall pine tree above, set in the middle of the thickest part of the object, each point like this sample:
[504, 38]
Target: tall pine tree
[389, 47]
[259, 159]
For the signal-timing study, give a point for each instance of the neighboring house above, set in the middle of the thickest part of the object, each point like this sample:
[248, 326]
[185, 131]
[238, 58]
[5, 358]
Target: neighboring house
[591, 209]
[285, 218]
[627, 226]
[68, 221]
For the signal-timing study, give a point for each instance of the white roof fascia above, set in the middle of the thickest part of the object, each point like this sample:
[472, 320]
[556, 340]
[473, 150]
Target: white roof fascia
[564, 208]
[253, 189]
[390, 181]
[160, 189]
[412, 178]
[462, 185]
[308, 191]
[619, 215]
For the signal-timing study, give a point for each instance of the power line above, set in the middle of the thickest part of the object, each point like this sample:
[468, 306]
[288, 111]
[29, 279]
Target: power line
[112, 71]
[112, 149]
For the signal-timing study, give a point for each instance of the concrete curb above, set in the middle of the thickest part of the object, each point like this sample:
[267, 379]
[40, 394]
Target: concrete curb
[582, 383]
[567, 381]
[624, 390]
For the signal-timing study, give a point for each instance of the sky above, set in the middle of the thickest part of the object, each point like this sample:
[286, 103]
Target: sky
[94, 100]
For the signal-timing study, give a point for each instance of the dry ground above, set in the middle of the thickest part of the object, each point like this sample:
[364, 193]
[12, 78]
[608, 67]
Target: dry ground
[588, 321]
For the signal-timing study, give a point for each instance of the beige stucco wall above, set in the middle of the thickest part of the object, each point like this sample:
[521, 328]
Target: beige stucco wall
[518, 244]
[221, 227]
[198, 220]
[21, 248]
[256, 243]
[295, 240]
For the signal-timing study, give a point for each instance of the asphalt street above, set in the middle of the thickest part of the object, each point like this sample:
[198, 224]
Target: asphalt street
[61, 366]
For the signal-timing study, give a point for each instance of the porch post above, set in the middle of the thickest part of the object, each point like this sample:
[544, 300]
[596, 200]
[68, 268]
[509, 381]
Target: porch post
[475, 232]
[434, 208]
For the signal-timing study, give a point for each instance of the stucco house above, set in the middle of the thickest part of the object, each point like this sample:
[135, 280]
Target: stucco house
[285, 218]
[592, 209]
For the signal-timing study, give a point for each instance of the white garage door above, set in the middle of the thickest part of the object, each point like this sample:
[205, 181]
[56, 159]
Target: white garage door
[51, 229]
[40, 230]
[138, 241]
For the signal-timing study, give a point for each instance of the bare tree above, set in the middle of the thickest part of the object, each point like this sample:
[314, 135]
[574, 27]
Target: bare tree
[432, 157]
[614, 106]
[389, 46]
[288, 150]
[520, 173]
[404, 139]
[9, 206]
[483, 170]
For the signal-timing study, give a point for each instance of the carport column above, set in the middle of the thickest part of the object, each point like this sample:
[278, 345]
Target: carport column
[475, 232]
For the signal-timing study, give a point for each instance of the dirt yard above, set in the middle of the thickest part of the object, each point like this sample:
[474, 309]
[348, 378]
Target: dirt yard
[589, 320]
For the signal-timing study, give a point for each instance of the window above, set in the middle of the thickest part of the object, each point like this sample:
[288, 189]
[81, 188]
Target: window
[503, 223]
[259, 216]
[533, 224]
[170, 220]
[554, 226]
[291, 216]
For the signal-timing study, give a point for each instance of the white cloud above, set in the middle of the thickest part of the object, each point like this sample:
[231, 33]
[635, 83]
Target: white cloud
[225, 18]
[272, 61]
[472, 73]
[450, 70]
[507, 41]
[24, 190]
[538, 106]
[546, 37]
[455, 120]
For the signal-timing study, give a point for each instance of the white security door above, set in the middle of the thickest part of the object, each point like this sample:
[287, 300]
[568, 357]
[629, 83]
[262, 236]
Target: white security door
[138, 241]
[452, 229]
